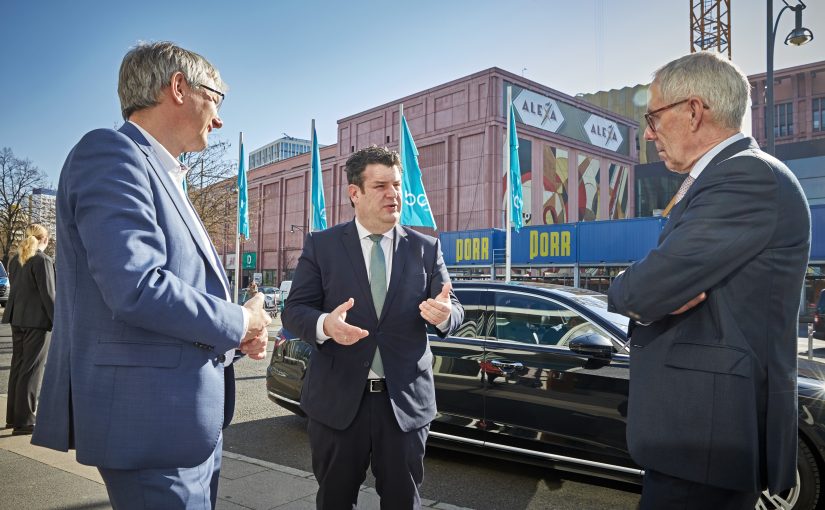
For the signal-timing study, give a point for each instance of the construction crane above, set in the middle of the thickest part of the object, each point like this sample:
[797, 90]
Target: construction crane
[710, 25]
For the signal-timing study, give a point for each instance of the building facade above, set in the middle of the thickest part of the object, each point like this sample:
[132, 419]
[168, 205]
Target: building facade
[576, 162]
[799, 104]
[282, 148]
[42, 209]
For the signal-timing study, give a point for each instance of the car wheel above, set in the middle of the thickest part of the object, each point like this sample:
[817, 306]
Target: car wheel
[806, 495]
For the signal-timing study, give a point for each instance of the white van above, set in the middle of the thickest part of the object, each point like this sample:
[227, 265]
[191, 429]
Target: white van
[285, 286]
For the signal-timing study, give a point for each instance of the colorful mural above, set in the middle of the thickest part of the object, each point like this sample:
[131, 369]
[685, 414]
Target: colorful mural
[618, 191]
[589, 177]
[554, 182]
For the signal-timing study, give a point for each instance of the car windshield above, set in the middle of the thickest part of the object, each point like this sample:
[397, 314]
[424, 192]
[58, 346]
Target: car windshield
[267, 290]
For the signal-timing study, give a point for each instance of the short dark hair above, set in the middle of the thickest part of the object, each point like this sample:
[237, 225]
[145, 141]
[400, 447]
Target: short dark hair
[371, 155]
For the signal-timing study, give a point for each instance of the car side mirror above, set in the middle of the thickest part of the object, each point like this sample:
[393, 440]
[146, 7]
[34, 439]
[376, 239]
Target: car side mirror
[592, 345]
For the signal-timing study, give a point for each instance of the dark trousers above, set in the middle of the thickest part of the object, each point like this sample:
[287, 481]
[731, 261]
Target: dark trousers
[340, 458]
[28, 357]
[194, 488]
[664, 492]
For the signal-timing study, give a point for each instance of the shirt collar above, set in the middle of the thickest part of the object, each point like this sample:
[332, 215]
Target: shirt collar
[363, 233]
[170, 163]
[709, 155]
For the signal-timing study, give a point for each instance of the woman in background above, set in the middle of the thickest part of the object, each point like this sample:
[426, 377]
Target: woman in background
[30, 312]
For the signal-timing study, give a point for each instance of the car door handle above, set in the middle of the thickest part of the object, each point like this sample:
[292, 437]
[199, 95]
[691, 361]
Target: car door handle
[508, 366]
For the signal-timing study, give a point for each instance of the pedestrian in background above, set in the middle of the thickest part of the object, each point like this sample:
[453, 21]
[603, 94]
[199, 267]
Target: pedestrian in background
[30, 311]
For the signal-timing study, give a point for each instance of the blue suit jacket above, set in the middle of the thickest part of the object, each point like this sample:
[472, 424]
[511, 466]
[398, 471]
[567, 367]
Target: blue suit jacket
[330, 271]
[133, 378]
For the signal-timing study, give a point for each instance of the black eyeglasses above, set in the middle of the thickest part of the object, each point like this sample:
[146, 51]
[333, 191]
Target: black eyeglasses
[651, 120]
[220, 94]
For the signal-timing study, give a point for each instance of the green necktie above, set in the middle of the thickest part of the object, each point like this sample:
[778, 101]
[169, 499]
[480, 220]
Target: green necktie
[378, 289]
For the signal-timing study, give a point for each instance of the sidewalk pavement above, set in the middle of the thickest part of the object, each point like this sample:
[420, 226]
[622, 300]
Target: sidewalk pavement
[39, 478]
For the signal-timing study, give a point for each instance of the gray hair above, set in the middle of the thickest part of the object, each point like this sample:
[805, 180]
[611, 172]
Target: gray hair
[709, 75]
[148, 68]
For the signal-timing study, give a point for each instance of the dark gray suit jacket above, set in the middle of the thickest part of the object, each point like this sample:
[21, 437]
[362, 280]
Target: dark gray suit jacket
[330, 271]
[713, 390]
[31, 301]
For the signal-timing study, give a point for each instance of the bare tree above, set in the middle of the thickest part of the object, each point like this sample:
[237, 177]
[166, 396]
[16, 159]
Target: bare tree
[18, 177]
[207, 183]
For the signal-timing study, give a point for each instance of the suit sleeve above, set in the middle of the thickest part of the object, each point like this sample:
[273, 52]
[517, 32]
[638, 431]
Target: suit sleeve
[111, 196]
[729, 220]
[440, 276]
[44, 279]
[306, 296]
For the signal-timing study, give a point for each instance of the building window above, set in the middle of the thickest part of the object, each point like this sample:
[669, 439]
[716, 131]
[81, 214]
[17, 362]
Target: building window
[818, 110]
[783, 120]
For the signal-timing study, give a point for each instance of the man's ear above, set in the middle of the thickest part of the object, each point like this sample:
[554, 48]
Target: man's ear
[697, 113]
[177, 87]
[352, 192]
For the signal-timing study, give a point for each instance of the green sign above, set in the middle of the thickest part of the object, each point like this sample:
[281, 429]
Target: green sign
[249, 259]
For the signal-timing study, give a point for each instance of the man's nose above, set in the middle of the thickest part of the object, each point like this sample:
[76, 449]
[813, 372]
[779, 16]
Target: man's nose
[650, 135]
[217, 123]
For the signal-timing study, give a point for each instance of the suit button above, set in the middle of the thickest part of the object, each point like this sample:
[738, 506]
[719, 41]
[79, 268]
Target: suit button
[366, 363]
[222, 358]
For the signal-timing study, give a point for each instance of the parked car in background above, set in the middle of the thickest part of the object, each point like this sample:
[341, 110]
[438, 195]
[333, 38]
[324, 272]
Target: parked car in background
[539, 373]
[5, 287]
[271, 296]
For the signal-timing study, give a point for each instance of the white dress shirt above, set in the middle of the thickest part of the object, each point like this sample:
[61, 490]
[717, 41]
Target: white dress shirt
[366, 251]
[177, 172]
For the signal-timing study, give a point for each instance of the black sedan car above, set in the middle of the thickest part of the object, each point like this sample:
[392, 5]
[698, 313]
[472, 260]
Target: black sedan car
[539, 373]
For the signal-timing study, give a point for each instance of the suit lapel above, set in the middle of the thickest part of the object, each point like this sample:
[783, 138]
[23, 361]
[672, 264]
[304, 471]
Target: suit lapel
[352, 246]
[728, 152]
[206, 251]
[399, 261]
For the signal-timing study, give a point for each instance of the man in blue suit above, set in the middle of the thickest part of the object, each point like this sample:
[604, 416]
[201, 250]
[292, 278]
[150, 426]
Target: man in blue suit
[362, 296]
[139, 378]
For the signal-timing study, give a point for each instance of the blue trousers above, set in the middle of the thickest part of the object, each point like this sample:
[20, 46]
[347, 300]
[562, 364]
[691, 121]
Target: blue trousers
[194, 488]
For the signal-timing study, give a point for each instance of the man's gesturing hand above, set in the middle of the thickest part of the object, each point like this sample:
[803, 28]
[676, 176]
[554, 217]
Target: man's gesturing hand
[435, 311]
[335, 325]
[256, 338]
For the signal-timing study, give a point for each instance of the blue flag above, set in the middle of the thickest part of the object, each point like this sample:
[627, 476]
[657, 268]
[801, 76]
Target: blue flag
[243, 199]
[319, 206]
[516, 197]
[415, 209]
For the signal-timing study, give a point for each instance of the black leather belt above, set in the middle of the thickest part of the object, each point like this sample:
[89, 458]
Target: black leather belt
[376, 385]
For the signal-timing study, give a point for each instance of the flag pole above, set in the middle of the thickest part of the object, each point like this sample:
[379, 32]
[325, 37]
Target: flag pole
[238, 227]
[508, 209]
[311, 191]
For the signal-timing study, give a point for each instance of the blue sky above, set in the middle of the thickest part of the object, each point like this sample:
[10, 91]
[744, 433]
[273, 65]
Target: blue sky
[289, 62]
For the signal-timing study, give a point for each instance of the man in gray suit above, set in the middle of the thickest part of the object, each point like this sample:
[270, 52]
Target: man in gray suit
[363, 294]
[712, 407]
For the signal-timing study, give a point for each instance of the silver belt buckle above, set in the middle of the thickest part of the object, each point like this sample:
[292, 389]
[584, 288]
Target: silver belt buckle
[377, 385]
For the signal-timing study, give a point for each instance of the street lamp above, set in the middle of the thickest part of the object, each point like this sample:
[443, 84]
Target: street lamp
[292, 228]
[798, 36]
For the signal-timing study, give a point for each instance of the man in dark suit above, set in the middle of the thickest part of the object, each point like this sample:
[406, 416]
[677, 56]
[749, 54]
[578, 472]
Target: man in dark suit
[712, 409]
[139, 377]
[362, 296]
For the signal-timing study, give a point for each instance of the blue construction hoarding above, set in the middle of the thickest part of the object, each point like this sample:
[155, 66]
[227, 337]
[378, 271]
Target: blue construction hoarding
[588, 243]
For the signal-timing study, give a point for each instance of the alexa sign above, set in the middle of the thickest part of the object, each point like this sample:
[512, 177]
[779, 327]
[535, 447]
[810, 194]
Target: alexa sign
[603, 132]
[538, 111]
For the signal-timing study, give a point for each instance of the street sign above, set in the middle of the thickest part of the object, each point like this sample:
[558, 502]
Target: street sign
[257, 277]
[249, 259]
